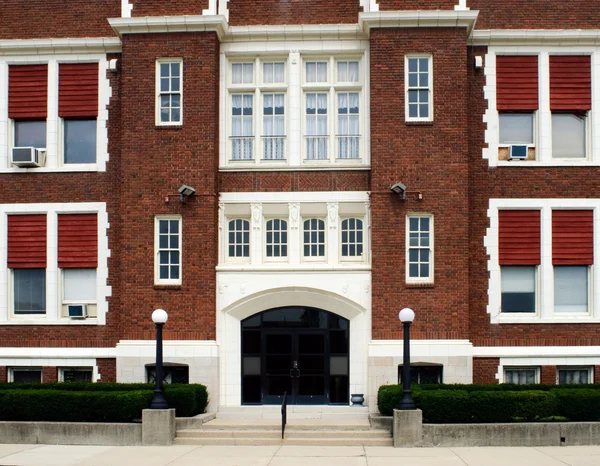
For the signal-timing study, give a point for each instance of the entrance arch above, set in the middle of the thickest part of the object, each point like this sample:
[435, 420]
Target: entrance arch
[301, 350]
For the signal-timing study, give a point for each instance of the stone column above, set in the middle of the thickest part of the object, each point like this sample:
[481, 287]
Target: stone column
[408, 428]
[158, 426]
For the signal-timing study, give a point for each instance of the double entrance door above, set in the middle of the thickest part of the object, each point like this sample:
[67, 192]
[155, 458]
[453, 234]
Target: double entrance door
[295, 362]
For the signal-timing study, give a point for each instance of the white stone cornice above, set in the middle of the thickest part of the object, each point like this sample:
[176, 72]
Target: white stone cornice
[59, 46]
[555, 37]
[299, 32]
[161, 24]
[418, 19]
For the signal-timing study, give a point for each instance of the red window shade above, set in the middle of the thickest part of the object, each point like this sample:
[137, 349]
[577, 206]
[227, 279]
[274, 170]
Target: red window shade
[78, 241]
[519, 237]
[27, 241]
[570, 83]
[27, 92]
[572, 237]
[78, 90]
[516, 83]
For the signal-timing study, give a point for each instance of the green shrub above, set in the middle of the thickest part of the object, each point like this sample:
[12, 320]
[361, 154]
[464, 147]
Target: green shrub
[72, 406]
[512, 406]
[388, 397]
[183, 399]
[577, 404]
[444, 406]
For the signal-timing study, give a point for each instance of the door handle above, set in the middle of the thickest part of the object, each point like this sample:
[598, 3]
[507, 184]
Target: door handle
[294, 371]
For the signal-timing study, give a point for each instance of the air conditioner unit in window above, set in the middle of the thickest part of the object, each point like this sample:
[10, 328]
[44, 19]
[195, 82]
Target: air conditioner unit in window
[77, 311]
[517, 152]
[28, 157]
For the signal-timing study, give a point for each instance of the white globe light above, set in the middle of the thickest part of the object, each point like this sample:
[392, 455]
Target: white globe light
[160, 316]
[406, 315]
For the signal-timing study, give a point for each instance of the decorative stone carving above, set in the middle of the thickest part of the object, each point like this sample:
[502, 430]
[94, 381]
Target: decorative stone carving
[294, 215]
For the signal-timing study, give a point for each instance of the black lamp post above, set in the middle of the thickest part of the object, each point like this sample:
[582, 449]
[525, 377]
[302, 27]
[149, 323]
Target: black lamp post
[159, 317]
[406, 316]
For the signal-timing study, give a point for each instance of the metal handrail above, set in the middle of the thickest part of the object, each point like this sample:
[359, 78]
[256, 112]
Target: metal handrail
[283, 414]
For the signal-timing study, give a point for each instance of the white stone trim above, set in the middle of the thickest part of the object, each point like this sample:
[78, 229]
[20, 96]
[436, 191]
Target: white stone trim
[462, 5]
[56, 353]
[536, 351]
[54, 124]
[217, 7]
[35, 47]
[421, 348]
[53, 301]
[545, 283]
[369, 5]
[126, 9]
[536, 37]
[418, 18]
[171, 348]
[158, 24]
[282, 197]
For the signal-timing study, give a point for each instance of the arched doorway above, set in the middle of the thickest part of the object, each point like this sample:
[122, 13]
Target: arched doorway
[299, 350]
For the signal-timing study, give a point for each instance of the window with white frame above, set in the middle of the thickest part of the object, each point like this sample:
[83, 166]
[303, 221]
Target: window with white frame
[168, 250]
[169, 105]
[522, 375]
[55, 263]
[276, 241]
[574, 375]
[314, 238]
[545, 259]
[25, 374]
[238, 244]
[419, 86]
[419, 248]
[273, 126]
[316, 126]
[75, 374]
[81, 89]
[569, 135]
[352, 239]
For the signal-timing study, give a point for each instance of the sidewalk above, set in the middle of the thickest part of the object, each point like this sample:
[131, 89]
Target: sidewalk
[183, 455]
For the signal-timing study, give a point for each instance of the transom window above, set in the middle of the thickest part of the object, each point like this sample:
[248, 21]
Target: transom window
[314, 238]
[242, 73]
[168, 250]
[352, 238]
[418, 88]
[276, 240]
[348, 71]
[273, 73]
[239, 238]
[170, 92]
[316, 72]
[420, 248]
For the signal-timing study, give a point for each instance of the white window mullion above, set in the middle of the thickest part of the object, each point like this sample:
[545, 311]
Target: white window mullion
[594, 280]
[295, 102]
[53, 292]
[4, 122]
[257, 125]
[4, 272]
[594, 117]
[544, 123]
[53, 126]
[545, 282]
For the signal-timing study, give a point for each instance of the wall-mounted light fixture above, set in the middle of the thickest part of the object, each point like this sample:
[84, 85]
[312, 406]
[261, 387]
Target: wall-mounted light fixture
[400, 190]
[186, 191]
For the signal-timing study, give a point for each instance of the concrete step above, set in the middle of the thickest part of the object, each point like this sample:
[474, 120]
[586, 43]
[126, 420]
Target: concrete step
[292, 425]
[293, 412]
[290, 433]
[289, 440]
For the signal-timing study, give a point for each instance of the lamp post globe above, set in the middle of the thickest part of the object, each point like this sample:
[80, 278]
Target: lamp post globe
[159, 317]
[406, 316]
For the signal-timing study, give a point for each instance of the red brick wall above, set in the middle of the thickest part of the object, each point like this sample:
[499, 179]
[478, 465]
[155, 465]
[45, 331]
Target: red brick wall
[431, 158]
[596, 374]
[168, 8]
[107, 369]
[485, 370]
[36, 19]
[50, 374]
[548, 375]
[536, 14]
[155, 162]
[259, 12]
[3, 374]
[417, 4]
[294, 181]
[500, 182]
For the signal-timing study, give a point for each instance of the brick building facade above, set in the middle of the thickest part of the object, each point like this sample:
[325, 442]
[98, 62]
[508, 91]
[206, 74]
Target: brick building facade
[286, 268]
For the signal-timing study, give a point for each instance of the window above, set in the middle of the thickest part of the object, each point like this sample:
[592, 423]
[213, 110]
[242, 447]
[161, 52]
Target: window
[80, 141]
[348, 125]
[516, 128]
[172, 373]
[314, 238]
[423, 374]
[239, 238]
[273, 73]
[574, 375]
[273, 126]
[25, 374]
[242, 73]
[29, 291]
[571, 289]
[418, 89]
[521, 375]
[79, 286]
[347, 71]
[75, 374]
[419, 248]
[316, 72]
[170, 92]
[518, 288]
[316, 126]
[242, 139]
[30, 134]
[568, 135]
[276, 240]
[352, 238]
[168, 250]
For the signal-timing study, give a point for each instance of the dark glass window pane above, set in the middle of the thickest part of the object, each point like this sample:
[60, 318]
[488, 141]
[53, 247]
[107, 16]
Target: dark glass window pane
[163, 226]
[26, 376]
[518, 302]
[251, 389]
[77, 375]
[164, 271]
[175, 272]
[80, 141]
[30, 134]
[29, 291]
[163, 241]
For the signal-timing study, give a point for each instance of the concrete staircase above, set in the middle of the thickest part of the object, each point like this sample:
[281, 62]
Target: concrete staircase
[306, 425]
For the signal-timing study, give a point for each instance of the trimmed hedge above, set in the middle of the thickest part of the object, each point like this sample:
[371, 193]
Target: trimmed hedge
[489, 404]
[99, 402]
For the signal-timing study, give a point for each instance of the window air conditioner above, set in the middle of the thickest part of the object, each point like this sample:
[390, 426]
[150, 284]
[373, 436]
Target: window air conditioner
[77, 311]
[518, 152]
[28, 157]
